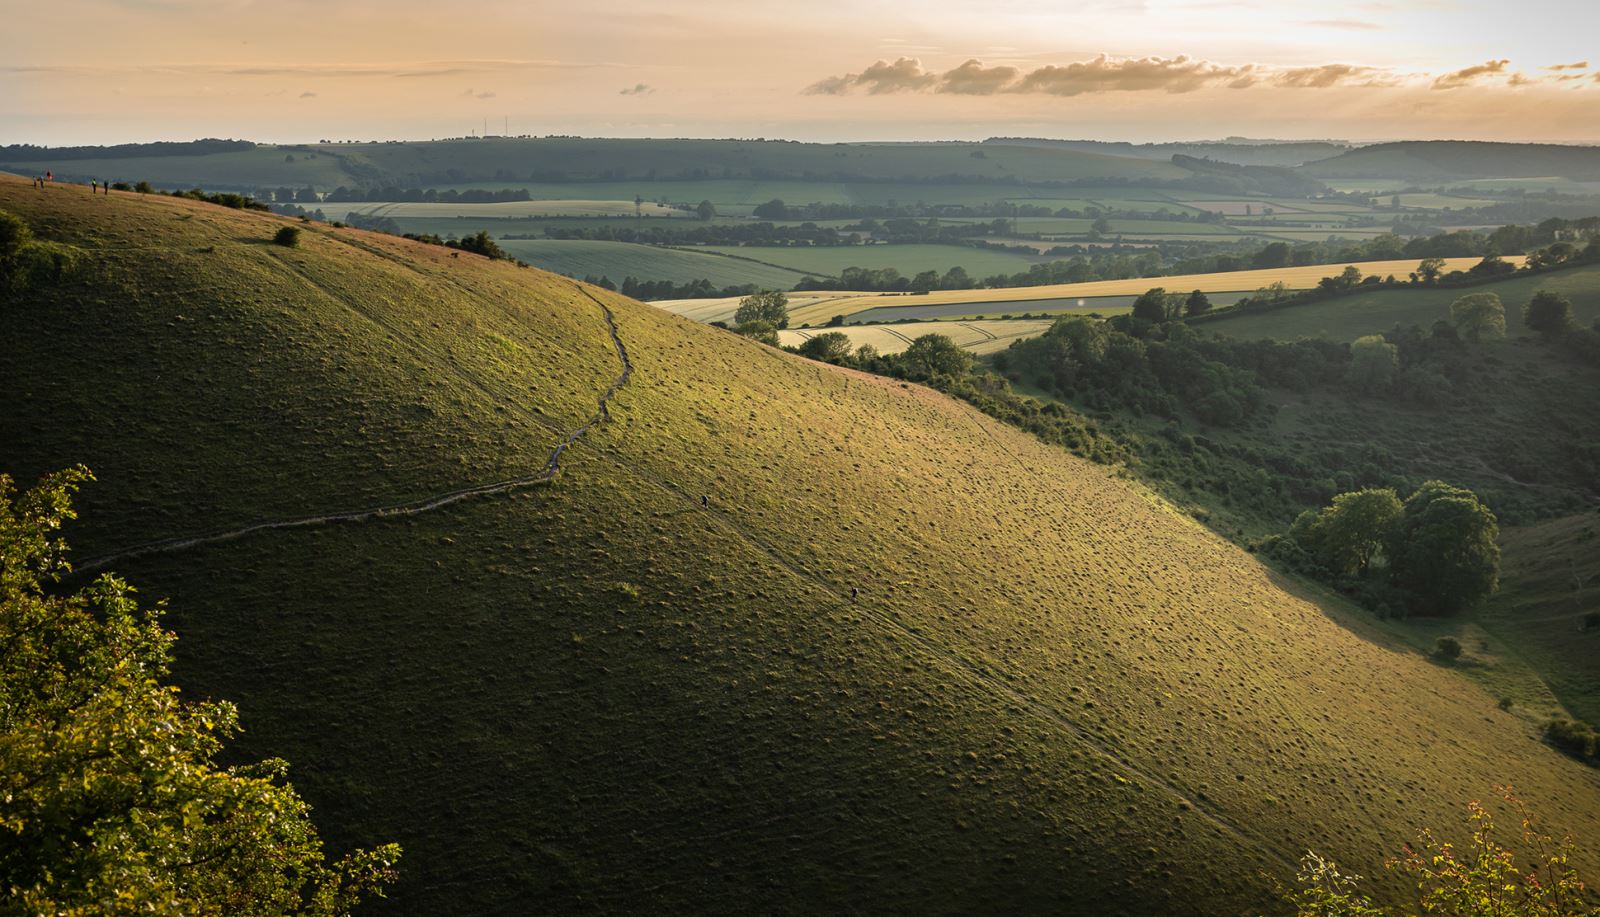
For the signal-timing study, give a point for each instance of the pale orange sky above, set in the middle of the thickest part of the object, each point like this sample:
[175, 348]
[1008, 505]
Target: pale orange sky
[107, 71]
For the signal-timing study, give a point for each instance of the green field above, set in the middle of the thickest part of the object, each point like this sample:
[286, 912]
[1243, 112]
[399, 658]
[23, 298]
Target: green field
[907, 259]
[581, 258]
[1349, 317]
[1054, 690]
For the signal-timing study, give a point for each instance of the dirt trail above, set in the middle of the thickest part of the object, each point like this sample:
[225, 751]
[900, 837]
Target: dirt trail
[551, 466]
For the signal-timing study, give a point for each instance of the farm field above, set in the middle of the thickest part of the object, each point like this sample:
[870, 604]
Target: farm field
[979, 337]
[601, 683]
[582, 258]
[517, 209]
[1349, 317]
[829, 261]
[1292, 277]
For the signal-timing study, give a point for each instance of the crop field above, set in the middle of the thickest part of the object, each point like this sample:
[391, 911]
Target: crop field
[1349, 317]
[582, 258]
[574, 691]
[1292, 277]
[979, 337]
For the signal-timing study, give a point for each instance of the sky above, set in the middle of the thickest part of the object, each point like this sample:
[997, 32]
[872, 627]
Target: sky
[115, 71]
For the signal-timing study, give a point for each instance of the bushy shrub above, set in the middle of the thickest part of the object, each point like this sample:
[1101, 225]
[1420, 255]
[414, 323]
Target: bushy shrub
[1574, 738]
[1447, 648]
[287, 236]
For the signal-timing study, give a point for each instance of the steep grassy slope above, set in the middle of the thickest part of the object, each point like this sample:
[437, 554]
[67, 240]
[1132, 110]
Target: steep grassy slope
[1053, 693]
[1550, 581]
[1349, 317]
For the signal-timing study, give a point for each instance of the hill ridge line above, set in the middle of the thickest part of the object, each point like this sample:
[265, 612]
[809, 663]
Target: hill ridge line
[414, 507]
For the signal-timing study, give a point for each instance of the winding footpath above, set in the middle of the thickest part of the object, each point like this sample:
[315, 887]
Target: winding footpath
[413, 508]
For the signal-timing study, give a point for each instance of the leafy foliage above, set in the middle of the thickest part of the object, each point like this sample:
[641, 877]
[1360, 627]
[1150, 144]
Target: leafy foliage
[1445, 552]
[768, 307]
[1479, 316]
[1485, 879]
[110, 798]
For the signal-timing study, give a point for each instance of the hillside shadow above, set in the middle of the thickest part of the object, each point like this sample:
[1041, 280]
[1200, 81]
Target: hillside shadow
[1338, 609]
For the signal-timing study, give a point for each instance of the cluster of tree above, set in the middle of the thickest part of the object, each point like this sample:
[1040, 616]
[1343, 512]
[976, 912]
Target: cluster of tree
[371, 222]
[1435, 553]
[26, 261]
[295, 210]
[221, 198]
[666, 289]
[27, 152]
[111, 794]
[1213, 175]
[1143, 366]
[391, 193]
[479, 243]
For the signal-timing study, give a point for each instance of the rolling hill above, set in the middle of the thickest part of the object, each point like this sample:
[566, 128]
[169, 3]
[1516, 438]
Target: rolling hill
[1439, 161]
[563, 159]
[905, 659]
[1346, 318]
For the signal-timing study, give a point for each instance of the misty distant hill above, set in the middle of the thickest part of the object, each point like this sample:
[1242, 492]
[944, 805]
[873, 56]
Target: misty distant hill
[1446, 160]
[1238, 152]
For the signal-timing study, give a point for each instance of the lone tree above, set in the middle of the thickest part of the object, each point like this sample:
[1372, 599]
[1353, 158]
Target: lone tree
[1151, 306]
[706, 210]
[1373, 363]
[831, 347]
[1548, 313]
[1430, 270]
[770, 306]
[936, 354]
[1444, 552]
[1198, 303]
[110, 795]
[1479, 317]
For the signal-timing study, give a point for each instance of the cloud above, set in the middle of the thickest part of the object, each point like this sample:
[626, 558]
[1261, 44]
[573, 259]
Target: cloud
[973, 78]
[1107, 74]
[1329, 75]
[638, 89]
[308, 94]
[1351, 24]
[485, 94]
[1469, 75]
[1576, 65]
[1100, 74]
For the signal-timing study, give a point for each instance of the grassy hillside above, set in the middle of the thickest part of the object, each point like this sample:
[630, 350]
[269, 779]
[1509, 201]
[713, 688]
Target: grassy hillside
[594, 694]
[1550, 581]
[1349, 317]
